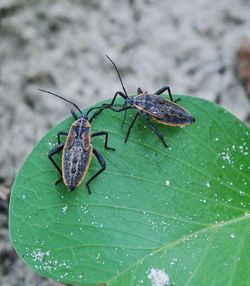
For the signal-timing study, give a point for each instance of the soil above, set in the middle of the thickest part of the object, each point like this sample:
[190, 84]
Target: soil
[192, 46]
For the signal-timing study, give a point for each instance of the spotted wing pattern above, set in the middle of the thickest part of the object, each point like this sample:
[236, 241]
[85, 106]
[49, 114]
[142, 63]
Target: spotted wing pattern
[77, 153]
[162, 110]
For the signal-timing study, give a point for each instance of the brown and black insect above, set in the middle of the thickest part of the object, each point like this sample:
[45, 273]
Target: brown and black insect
[152, 106]
[77, 149]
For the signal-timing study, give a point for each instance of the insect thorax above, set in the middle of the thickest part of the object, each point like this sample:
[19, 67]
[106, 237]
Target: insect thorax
[144, 101]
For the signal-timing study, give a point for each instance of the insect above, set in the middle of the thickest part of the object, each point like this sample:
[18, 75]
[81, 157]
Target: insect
[152, 106]
[77, 150]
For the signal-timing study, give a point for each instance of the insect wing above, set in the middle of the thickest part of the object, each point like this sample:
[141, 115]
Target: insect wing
[77, 154]
[164, 111]
[70, 139]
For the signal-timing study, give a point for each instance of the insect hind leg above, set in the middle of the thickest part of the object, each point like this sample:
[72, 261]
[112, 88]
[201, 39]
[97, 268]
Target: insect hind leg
[102, 162]
[156, 131]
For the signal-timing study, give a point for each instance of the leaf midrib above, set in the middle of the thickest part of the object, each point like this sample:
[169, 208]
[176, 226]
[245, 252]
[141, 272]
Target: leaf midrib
[180, 240]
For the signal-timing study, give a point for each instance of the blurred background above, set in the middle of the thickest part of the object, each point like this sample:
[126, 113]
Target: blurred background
[197, 47]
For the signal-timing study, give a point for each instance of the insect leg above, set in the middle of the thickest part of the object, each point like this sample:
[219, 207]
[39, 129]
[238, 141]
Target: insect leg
[61, 133]
[139, 91]
[156, 131]
[121, 109]
[166, 88]
[102, 162]
[131, 124]
[97, 112]
[105, 106]
[54, 151]
[100, 109]
[74, 114]
[117, 93]
[100, 133]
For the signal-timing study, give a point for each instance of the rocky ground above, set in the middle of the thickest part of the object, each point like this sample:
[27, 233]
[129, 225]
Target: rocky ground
[196, 47]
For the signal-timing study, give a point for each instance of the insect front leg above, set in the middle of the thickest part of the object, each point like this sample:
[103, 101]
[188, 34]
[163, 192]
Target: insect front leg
[74, 114]
[116, 94]
[131, 124]
[100, 133]
[155, 130]
[59, 134]
[52, 152]
[97, 112]
[102, 162]
[139, 91]
[166, 88]
[119, 110]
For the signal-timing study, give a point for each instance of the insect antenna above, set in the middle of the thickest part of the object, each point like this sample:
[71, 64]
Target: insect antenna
[43, 90]
[118, 75]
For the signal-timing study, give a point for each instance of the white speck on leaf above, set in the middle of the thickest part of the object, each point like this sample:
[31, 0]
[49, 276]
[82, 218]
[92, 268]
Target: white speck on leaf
[64, 209]
[226, 156]
[38, 254]
[173, 261]
[158, 277]
[167, 183]
[98, 257]
[84, 209]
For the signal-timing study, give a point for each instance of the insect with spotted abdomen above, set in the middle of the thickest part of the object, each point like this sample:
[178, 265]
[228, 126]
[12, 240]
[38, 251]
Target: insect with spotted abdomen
[152, 106]
[77, 149]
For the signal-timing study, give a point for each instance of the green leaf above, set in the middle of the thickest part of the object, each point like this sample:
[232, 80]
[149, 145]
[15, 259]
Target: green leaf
[181, 212]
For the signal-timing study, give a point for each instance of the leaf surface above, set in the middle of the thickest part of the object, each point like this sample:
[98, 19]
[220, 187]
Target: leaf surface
[181, 213]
